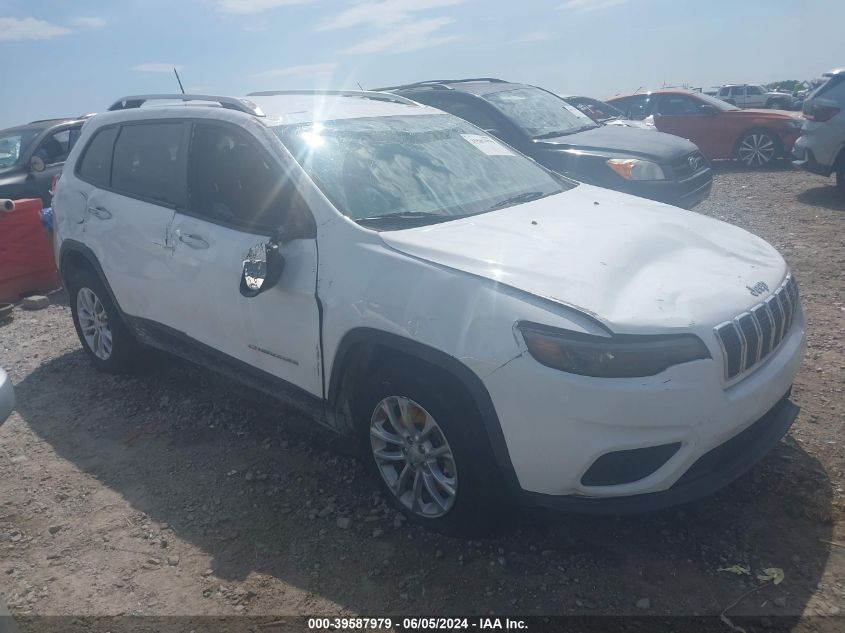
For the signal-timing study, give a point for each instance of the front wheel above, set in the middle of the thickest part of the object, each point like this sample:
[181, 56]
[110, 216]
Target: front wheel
[757, 149]
[427, 449]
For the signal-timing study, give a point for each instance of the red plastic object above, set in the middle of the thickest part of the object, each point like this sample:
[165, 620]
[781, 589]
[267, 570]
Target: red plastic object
[26, 255]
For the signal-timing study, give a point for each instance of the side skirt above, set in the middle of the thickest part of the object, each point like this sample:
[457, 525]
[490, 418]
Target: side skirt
[180, 344]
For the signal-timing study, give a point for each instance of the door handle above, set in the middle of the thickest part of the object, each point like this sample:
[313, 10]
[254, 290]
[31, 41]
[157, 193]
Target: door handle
[100, 213]
[194, 241]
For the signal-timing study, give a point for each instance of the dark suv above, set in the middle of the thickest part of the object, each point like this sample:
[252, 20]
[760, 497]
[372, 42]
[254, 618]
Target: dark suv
[557, 135]
[31, 155]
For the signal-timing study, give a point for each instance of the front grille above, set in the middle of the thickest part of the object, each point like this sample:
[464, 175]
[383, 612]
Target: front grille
[751, 336]
[690, 164]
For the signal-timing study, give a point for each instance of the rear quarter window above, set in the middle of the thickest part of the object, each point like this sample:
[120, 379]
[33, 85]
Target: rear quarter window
[95, 164]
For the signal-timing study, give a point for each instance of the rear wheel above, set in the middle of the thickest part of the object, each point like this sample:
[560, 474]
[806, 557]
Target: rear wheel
[427, 449]
[757, 148]
[104, 337]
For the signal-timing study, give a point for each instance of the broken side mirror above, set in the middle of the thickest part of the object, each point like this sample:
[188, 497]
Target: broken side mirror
[36, 163]
[262, 268]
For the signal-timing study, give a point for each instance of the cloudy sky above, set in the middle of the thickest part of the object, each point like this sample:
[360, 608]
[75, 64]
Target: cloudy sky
[62, 58]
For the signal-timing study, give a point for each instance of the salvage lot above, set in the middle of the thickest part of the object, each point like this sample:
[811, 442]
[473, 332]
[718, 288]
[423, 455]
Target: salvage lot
[179, 492]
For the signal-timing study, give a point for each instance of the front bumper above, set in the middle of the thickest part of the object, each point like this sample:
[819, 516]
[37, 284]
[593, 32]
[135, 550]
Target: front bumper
[685, 193]
[557, 426]
[7, 396]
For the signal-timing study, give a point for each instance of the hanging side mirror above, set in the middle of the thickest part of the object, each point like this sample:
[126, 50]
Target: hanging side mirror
[262, 268]
[36, 163]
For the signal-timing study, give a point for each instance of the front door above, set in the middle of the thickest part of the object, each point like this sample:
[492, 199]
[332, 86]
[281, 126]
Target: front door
[682, 115]
[238, 197]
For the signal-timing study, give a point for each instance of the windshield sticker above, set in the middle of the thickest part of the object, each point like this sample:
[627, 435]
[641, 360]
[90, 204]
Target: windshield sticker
[487, 145]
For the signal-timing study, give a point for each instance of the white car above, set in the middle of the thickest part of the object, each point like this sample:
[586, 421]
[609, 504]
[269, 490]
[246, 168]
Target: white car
[755, 96]
[487, 330]
[7, 396]
[821, 147]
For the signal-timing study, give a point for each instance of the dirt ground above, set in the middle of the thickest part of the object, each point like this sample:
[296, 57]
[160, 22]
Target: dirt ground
[179, 492]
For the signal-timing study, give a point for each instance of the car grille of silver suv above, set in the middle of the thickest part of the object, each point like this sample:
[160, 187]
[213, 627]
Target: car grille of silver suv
[751, 336]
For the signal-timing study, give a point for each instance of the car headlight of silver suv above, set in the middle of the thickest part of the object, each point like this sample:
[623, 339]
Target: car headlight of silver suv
[636, 169]
[618, 356]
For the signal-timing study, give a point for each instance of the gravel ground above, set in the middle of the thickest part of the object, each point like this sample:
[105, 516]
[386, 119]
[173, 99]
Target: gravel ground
[179, 492]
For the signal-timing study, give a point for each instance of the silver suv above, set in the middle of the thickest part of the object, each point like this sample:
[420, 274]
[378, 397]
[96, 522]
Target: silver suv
[821, 147]
[755, 96]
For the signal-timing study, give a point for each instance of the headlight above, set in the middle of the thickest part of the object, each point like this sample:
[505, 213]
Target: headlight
[636, 169]
[620, 356]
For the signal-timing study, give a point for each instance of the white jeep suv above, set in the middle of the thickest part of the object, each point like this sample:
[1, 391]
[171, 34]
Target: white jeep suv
[486, 329]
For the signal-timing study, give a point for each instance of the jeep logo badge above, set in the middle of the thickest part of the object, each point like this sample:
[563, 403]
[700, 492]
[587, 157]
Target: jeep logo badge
[757, 289]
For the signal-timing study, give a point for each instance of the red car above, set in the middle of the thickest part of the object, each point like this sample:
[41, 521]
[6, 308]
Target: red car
[721, 130]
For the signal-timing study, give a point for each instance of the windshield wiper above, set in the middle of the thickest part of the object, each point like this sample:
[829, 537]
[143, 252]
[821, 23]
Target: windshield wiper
[403, 215]
[566, 133]
[520, 198]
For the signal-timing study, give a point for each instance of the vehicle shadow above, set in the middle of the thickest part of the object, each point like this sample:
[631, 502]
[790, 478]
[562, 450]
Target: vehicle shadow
[246, 482]
[736, 167]
[828, 197]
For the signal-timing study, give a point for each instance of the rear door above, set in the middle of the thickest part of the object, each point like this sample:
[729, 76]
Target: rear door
[754, 97]
[126, 220]
[239, 196]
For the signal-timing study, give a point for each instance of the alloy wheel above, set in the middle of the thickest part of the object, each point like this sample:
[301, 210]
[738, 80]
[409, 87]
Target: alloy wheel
[94, 323]
[756, 149]
[413, 457]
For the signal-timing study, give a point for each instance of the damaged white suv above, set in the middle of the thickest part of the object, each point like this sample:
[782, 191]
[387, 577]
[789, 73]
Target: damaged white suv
[488, 330]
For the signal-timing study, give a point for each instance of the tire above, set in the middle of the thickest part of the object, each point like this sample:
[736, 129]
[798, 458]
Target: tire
[449, 426]
[101, 330]
[840, 180]
[757, 148]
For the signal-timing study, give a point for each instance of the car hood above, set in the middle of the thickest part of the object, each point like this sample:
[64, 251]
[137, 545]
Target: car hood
[631, 263]
[619, 139]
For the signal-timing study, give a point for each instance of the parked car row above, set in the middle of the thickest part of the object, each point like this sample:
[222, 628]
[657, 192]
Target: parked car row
[562, 138]
[486, 329]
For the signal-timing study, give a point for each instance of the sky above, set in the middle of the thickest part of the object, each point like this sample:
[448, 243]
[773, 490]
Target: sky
[67, 58]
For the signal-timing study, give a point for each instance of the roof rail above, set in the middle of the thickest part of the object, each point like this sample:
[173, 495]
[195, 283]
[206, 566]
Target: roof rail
[230, 103]
[443, 84]
[360, 94]
[50, 120]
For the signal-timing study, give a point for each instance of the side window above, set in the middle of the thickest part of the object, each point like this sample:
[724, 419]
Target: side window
[148, 162]
[234, 181]
[674, 105]
[95, 166]
[55, 148]
[754, 90]
[638, 107]
[737, 91]
[723, 92]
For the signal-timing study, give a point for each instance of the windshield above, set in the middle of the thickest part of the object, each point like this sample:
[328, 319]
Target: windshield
[539, 113]
[414, 170]
[13, 145]
[715, 101]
